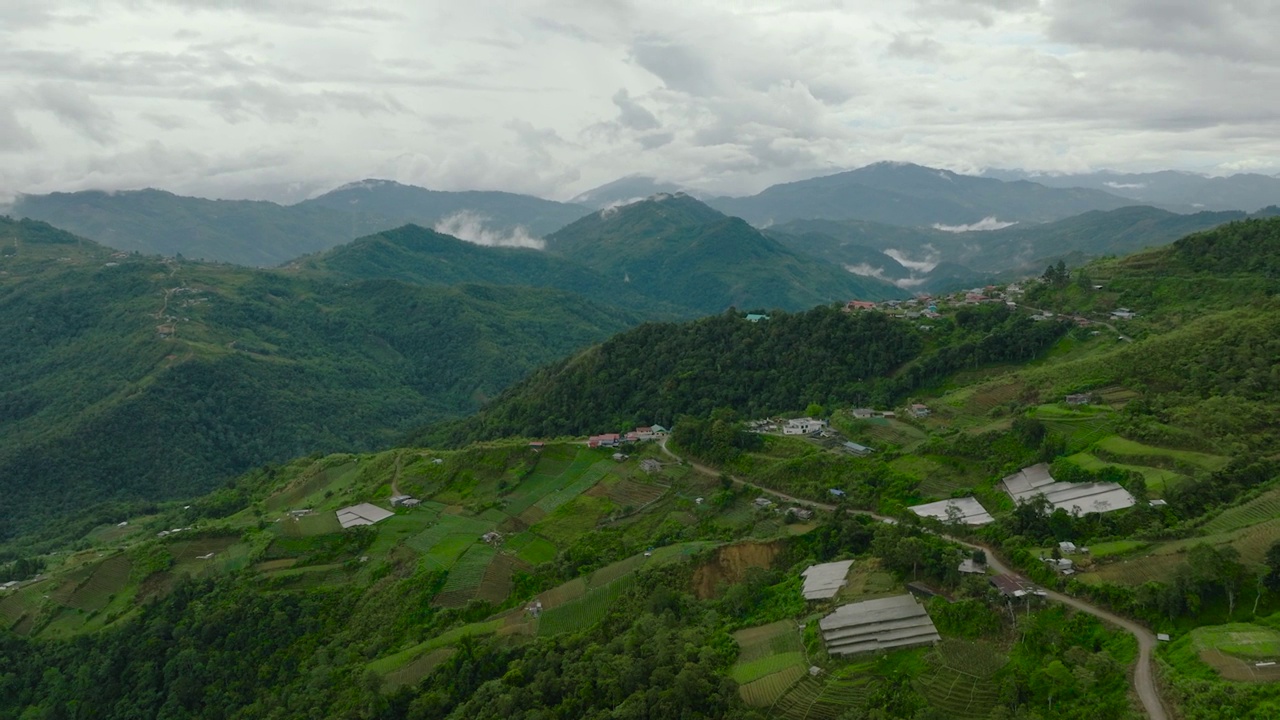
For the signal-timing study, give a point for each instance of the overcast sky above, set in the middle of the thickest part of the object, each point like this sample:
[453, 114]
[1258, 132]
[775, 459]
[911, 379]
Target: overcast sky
[280, 99]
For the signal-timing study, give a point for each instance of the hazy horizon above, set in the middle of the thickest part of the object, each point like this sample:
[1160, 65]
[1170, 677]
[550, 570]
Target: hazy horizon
[285, 99]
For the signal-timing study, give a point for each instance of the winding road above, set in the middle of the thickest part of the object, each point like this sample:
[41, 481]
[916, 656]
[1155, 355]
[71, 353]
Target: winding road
[1143, 679]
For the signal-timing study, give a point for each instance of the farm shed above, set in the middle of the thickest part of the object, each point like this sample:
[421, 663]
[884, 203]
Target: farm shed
[874, 625]
[825, 580]
[970, 511]
[1072, 497]
[362, 514]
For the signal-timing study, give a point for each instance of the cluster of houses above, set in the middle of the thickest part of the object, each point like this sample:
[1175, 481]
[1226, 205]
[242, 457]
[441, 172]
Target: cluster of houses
[640, 434]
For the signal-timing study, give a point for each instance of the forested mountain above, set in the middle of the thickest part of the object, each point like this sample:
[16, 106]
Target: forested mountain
[673, 247]
[420, 256]
[264, 234]
[970, 258]
[125, 377]
[155, 222]
[391, 204]
[1184, 191]
[914, 196]
[658, 372]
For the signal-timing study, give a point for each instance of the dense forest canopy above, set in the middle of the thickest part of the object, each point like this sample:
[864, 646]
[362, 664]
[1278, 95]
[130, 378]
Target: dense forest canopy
[657, 372]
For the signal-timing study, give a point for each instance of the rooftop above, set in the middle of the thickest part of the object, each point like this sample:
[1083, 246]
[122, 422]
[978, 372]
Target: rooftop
[825, 580]
[1082, 497]
[970, 511]
[362, 514]
[881, 624]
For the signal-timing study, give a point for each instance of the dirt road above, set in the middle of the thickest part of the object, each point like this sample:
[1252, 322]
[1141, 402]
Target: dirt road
[1143, 680]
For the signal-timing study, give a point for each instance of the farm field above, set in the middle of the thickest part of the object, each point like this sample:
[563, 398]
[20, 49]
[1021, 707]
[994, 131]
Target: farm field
[1082, 428]
[1117, 445]
[1260, 509]
[1162, 560]
[866, 580]
[1234, 650]
[531, 548]
[1158, 480]
[959, 681]
[770, 660]
[465, 576]
[584, 611]
[553, 472]
[450, 536]
[573, 518]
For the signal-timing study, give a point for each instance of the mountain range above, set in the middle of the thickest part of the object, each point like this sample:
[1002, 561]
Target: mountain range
[1181, 191]
[128, 378]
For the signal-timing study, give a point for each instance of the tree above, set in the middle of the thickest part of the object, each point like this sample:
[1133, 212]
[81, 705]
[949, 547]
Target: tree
[1272, 563]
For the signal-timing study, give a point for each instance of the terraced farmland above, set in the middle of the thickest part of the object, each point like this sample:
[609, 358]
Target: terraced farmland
[766, 691]
[1081, 429]
[959, 681]
[496, 585]
[628, 493]
[1158, 480]
[449, 537]
[813, 699]
[465, 576]
[1119, 446]
[565, 493]
[416, 669]
[551, 474]
[1260, 509]
[106, 579]
[531, 548]
[585, 611]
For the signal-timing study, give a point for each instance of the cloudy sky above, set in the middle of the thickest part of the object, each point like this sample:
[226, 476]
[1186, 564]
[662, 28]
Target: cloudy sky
[280, 99]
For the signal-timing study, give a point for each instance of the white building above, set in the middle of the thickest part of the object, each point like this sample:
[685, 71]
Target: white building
[803, 426]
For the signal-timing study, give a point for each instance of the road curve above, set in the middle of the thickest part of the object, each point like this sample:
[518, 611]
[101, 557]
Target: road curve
[1143, 679]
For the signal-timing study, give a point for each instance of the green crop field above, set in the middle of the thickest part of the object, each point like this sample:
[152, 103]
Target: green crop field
[318, 481]
[572, 520]
[466, 575]
[632, 494]
[585, 611]
[531, 548]
[1117, 547]
[496, 584]
[1117, 445]
[549, 476]
[565, 493]
[609, 573]
[321, 523]
[1260, 509]
[1244, 639]
[766, 640]
[959, 680]
[1081, 428]
[107, 578]
[413, 671]
[745, 672]
[398, 660]
[1159, 480]
[564, 593]
[766, 691]
[813, 699]
[449, 537]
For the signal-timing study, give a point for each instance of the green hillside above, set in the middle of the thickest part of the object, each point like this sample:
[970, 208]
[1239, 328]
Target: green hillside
[674, 247]
[263, 607]
[128, 378]
[971, 258]
[657, 372]
[420, 256]
[265, 234]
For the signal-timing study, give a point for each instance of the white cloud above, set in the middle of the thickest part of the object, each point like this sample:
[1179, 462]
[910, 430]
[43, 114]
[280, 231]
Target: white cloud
[985, 224]
[552, 97]
[926, 265]
[472, 227]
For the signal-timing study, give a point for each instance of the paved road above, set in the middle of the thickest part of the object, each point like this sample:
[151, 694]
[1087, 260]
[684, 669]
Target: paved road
[1143, 680]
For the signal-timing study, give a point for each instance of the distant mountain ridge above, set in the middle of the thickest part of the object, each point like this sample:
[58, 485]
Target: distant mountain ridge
[1183, 191]
[264, 234]
[675, 247]
[914, 196]
[934, 260]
